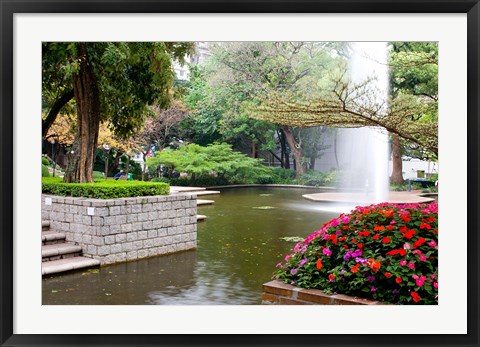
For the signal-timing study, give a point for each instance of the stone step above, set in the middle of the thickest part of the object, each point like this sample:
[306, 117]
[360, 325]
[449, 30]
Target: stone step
[201, 202]
[60, 251]
[52, 237]
[45, 225]
[201, 217]
[180, 189]
[62, 265]
[205, 192]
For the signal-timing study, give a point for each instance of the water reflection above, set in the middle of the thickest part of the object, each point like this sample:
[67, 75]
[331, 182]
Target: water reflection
[238, 247]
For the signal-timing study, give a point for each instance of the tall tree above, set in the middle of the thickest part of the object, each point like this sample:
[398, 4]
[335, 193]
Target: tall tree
[113, 81]
[246, 72]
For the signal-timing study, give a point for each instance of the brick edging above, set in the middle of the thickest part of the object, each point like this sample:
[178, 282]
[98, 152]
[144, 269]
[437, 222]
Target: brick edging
[277, 292]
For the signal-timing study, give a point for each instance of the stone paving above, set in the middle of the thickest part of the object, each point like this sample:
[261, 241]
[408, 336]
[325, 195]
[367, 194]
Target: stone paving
[360, 198]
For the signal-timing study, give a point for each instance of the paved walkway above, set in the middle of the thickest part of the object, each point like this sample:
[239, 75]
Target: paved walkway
[361, 198]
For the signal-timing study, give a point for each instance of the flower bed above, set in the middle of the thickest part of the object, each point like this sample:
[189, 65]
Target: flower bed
[385, 252]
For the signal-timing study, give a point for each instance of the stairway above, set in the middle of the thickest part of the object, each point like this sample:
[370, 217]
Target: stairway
[59, 255]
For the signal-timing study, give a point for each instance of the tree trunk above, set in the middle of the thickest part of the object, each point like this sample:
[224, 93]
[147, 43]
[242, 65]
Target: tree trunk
[397, 165]
[312, 163]
[296, 150]
[82, 154]
[283, 146]
[53, 113]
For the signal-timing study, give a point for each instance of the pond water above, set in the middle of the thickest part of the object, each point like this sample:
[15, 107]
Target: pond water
[238, 247]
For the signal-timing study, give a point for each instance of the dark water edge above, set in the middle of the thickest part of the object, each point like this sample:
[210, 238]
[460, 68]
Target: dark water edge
[238, 247]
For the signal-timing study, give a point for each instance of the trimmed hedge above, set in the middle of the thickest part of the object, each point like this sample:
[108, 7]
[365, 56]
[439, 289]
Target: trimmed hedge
[45, 172]
[103, 189]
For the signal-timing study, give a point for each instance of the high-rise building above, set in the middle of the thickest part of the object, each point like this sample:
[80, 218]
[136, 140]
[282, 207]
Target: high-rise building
[201, 54]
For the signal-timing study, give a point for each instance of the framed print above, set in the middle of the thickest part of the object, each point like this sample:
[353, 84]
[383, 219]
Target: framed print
[167, 300]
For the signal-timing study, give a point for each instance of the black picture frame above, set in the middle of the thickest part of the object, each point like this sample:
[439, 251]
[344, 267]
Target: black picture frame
[10, 7]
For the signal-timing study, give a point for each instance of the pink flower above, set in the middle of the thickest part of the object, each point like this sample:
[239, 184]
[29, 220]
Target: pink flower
[279, 264]
[419, 282]
[411, 265]
[406, 245]
[288, 257]
[415, 277]
[403, 262]
[327, 252]
[435, 285]
[423, 258]
[432, 243]
[346, 219]
[417, 251]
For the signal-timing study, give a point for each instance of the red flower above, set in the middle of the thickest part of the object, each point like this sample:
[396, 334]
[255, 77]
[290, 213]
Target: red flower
[392, 252]
[364, 233]
[359, 245]
[354, 269]
[406, 218]
[403, 229]
[390, 227]
[425, 226]
[398, 280]
[331, 277]
[376, 237]
[333, 238]
[415, 296]
[419, 242]
[387, 274]
[402, 252]
[354, 240]
[319, 264]
[409, 234]
[386, 240]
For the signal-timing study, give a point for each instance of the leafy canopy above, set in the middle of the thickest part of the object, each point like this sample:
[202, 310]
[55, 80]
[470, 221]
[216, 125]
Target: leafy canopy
[204, 160]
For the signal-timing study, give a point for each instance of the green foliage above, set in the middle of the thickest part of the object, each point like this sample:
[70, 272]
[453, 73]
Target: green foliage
[103, 189]
[217, 159]
[97, 174]
[317, 178]
[45, 161]
[45, 172]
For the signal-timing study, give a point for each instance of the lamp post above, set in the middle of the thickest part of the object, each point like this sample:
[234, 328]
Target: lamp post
[53, 155]
[106, 150]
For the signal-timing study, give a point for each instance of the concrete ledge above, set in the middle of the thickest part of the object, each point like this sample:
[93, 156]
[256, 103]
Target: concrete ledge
[279, 293]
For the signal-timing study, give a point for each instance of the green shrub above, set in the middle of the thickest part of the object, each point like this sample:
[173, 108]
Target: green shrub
[386, 252]
[404, 187]
[45, 172]
[45, 161]
[97, 174]
[104, 189]
[161, 179]
[317, 178]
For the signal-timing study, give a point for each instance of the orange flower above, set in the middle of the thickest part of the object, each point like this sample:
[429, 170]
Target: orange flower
[354, 269]
[378, 228]
[373, 264]
[319, 264]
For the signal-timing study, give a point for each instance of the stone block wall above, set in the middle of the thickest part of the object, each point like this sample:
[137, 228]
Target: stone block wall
[279, 293]
[124, 229]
